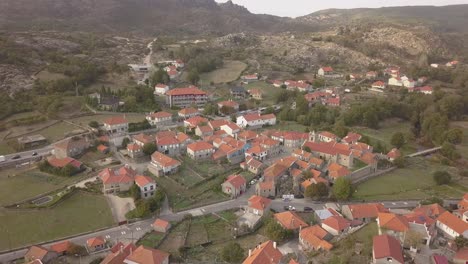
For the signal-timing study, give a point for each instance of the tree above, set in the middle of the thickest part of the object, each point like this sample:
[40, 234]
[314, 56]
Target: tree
[93, 124]
[442, 177]
[149, 148]
[125, 142]
[340, 129]
[461, 242]
[160, 76]
[432, 200]
[232, 253]
[448, 150]
[193, 76]
[316, 190]
[75, 249]
[135, 192]
[342, 189]
[454, 136]
[398, 140]
[306, 148]
[400, 162]
[276, 232]
[413, 239]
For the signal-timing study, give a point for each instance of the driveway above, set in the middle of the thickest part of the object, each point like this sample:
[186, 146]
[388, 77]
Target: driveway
[120, 206]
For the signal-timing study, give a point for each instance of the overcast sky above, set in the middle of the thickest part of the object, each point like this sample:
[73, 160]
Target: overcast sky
[295, 8]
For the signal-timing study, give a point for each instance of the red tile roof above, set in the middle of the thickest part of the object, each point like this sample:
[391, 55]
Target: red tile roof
[188, 111]
[327, 69]
[148, 256]
[61, 247]
[123, 175]
[394, 153]
[236, 180]
[60, 163]
[115, 120]
[431, 210]
[195, 121]
[387, 246]
[337, 222]
[335, 171]
[142, 180]
[161, 114]
[266, 253]
[161, 223]
[199, 146]
[163, 160]
[453, 222]
[331, 148]
[367, 210]
[186, 91]
[36, 252]
[462, 254]
[133, 147]
[259, 202]
[95, 241]
[231, 104]
[393, 222]
[170, 140]
[290, 220]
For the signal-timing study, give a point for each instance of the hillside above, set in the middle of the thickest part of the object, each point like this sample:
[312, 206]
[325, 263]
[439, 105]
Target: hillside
[143, 16]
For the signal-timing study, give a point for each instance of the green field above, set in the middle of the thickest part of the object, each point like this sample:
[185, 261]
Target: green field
[57, 131]
[80, 213]
[84, 120]
[151, 240]
[385, 133]
[269, 92]
[17, 185]
[230, 71]
[46, 76]
[463, 147]
[413, 182]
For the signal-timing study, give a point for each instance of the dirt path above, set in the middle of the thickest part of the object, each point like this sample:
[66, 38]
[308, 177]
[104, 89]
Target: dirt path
[120, 206]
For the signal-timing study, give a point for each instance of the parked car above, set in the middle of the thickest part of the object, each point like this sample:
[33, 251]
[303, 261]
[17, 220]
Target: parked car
[34, 154]
[292, 208]
[286, 208]
[16, 157]
[308, 209]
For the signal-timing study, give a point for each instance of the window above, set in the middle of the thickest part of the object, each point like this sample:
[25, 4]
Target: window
[389, 259]
[146, 189]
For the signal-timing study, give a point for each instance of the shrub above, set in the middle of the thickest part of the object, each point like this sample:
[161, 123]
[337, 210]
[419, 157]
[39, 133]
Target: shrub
[442, 177]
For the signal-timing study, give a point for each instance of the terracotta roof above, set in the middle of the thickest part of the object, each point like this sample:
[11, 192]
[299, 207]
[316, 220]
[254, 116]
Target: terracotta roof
[188, 111]
[36, 252]
[461, 254]
[143, 138]
[195, 121]
[216, 124]
[133, 147]
[327, 69]
[333, 101]
[247, 135]
[161, 85]
[170, 140]
[335, 170]
[387, 246]
[266, 185]
[236, 180]
[264, 253]
[274, 171]
[232, 126]
[61, 247]
[316, 161]
[453, 222]
[161, 223]
[72, 143]
[205, 129]
[393, 222]
[198, 146]
[254, 163]
[163, 160]
[95, 241]
[314, 235]
[419, 218]
[115, 120]
[378, 83]
[231, 104]
[440, 259]
[259, 202]
[292, 261]
[331, 148]
[290, 220]
[394, 153]
[123, 175]
[142, 180]
[370, 210]
[119, 253]
[186, 91]
[161, 114]
[148, 256]
[102, 148]
[336, 222]
[60, 163]
[166, 133]
[431, 210]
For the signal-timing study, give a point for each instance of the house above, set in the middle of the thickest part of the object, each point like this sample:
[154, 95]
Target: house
[336, 225]
[172, 74]
[161, 89]
[278, 83]
[402, 81]
[424, 90]
[258, 205]
[204, 131]
[238, 92]
[440, 259]
[323, 214]
[265, 189]
[62, 163]
[188, 112]
[118, 253]
[451, 225]
[336, 171]
[200, 150]
[386, 249]
[147, 186]
[461, 257]
[162, 164]
[267, 252]
[72, 147]
[103, 149]
[159, 118]
[393, 224]
[61, 248]
[253, 120]
[40, 253]
[250, 77]
[195, 121]
[234, 186]
[332, 101]
[146, 255]
[371, 75]
[134, 150]
[231, 129]
[290, 220]
[96, 244]
[185, 97]
[106, 102]
[247, 135]
[430, 210]
[256, 94]
[392, 71]
[314, 238]
[351, 138]
[116, 124]
[290, 139]
[252, 165]
[332, 152]
[326, 136]
[229, 107]
[115, 181]
[378, 85]
[143, 139]
[451, 64]
[160, 225]
[393, 154]
[169, 145]
[324, 71]
[363, 212]
[31, 141]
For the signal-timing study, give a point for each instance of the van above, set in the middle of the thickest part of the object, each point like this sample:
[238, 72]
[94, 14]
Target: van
[2, 158]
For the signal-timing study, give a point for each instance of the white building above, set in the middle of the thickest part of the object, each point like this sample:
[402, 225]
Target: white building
[159, 118]
[116, 124]
[256, 120]
[161, 89]
[232, 129]
[147, 186]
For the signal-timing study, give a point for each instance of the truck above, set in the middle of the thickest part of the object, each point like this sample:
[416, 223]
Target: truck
[2, 158]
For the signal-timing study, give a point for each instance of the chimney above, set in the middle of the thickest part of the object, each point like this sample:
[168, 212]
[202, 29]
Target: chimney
[250, 252]
[121, 248]
[274, 245]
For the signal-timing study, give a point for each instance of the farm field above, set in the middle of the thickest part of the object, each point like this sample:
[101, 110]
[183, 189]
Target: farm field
[32, 182]
[230, 71]
[70, 217]
[84, 120]
[269, 91]
[412, 182]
